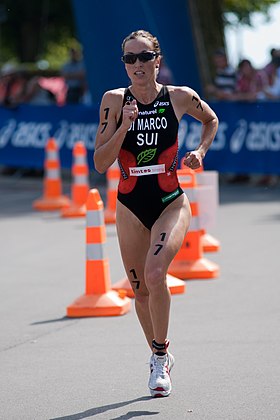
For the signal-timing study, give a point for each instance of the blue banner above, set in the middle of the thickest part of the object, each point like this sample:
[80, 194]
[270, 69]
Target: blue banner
[25, 130]
[248, 139]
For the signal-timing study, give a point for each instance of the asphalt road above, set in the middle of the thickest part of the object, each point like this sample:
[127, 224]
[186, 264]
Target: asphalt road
[224, 332]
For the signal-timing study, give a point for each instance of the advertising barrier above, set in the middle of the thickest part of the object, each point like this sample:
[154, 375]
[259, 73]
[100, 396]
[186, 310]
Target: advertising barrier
[25, 130]
[248, 139]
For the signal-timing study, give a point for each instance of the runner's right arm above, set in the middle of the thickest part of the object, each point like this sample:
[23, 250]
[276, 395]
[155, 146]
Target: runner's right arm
[109, 139]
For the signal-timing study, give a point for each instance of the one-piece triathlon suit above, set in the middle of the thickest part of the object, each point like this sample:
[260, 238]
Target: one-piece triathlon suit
[148, 159]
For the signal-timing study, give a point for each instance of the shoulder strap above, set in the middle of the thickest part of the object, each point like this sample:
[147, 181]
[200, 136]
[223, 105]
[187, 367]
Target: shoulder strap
[165, 91]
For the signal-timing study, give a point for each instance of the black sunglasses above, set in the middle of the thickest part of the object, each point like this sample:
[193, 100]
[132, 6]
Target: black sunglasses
[143, 57]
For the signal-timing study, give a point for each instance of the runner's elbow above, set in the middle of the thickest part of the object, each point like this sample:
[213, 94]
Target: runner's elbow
[98, 163]
[99, 167]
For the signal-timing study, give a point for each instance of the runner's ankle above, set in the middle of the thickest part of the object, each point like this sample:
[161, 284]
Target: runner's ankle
[160, 349]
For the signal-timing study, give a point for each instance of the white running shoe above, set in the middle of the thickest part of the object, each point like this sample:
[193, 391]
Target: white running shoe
[160, 382]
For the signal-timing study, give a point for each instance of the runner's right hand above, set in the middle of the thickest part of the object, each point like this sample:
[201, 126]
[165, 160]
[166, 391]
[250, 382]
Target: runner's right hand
[130, 113]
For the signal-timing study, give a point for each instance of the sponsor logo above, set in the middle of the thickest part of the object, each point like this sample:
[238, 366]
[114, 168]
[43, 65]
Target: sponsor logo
[158, 103]
[161, 110]
[33, 134]
[170, 196]
[146, 156]
[147, 170]
[153, 111]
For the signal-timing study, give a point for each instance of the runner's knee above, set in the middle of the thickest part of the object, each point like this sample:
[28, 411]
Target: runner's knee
[141, 298]
[155, 278]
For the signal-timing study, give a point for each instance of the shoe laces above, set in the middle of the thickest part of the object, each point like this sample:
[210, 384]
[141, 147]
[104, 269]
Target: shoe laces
[161, 365]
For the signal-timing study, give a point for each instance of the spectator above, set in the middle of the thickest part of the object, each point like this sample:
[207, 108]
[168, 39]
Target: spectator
[249, 87]
[36, 94]
[224, 79]
[12, 85]
[74, 74]
[271, 67]
[56, 85]
[273, 90]
[251, 83]
[223, 88]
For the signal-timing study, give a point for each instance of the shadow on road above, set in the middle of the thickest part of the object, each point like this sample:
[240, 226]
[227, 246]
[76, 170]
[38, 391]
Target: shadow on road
[102, 409]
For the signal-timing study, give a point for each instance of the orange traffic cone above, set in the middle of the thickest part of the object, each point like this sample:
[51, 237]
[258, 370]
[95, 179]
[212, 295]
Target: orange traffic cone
[99, 299]
[52, 196]
[113, 176]
[176, 286]
[80, 185]
[189, 262]
[209, 243]
[205, 179]
[208, 180]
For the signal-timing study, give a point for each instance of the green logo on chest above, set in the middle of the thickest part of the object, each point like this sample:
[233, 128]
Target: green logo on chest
[146, 156]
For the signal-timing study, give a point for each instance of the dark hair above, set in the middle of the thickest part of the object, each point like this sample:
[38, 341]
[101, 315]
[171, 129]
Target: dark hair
[244, 61]
[143, 34]
[220, 51]
[276, 61]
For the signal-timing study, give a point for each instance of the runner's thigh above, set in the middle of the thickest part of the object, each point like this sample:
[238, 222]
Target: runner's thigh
[134, 241]
[168, 233]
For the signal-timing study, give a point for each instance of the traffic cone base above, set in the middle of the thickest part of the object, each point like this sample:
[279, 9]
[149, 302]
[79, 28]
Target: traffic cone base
[196, 269]
[124, 284]
[51, 203]
[108, 304]
[74, 211]
[175, 285]
[209, 243]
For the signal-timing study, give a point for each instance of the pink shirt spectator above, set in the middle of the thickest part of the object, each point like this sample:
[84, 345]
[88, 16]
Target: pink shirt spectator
[250, 82]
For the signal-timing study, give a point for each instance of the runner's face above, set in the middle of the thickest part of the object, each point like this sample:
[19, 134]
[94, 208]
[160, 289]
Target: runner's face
[141, 72]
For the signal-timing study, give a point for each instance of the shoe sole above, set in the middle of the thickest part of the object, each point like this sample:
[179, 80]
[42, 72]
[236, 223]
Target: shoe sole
[159, 393]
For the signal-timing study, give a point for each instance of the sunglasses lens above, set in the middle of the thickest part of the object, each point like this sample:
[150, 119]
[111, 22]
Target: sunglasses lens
[143, 57]
[146, 56]
[129, 58]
